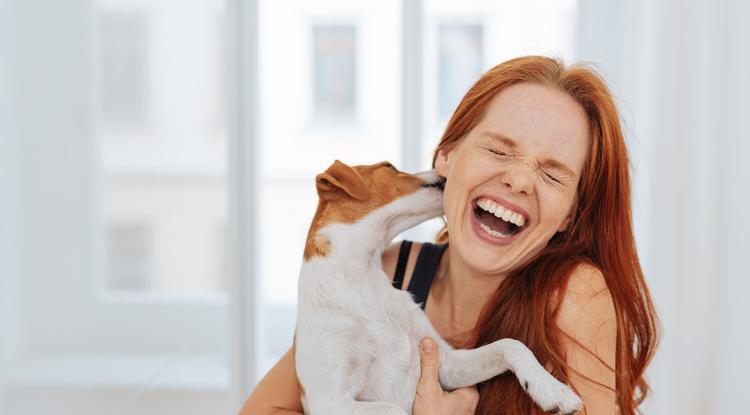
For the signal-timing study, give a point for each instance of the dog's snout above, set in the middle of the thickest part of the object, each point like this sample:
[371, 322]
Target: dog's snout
[438, 181]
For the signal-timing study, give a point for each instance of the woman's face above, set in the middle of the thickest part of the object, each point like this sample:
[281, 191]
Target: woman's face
[523, 161]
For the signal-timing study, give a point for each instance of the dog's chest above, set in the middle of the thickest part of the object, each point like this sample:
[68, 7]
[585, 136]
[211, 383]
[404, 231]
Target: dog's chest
[372, 321]
[391, 360]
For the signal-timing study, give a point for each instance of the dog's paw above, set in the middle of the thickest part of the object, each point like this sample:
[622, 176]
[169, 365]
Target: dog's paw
[551, 395]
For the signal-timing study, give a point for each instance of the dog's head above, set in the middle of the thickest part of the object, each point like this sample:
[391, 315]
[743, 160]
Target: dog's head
[349, 193]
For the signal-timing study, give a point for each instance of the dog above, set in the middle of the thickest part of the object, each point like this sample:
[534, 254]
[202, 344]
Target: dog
[357, 338]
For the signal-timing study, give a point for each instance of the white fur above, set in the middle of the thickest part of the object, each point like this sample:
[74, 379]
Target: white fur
[357, 337]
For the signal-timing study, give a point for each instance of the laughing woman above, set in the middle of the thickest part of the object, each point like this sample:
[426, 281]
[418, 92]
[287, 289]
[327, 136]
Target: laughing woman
[538, 246]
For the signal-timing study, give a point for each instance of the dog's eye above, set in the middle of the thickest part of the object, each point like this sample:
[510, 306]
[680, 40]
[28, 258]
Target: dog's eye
[390, 166]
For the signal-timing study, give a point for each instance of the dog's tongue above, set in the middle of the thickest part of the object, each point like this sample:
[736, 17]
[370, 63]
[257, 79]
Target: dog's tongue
[496, 223]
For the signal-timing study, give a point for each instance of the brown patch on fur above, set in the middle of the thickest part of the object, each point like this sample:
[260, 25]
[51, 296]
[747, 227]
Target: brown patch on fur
[317, 246]
[347, 193]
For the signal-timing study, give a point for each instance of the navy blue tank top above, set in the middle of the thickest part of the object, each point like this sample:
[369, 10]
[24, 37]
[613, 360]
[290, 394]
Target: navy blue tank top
[424, 270]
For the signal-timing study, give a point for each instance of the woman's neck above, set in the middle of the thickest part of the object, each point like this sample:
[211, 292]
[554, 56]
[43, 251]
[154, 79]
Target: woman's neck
[461, 293]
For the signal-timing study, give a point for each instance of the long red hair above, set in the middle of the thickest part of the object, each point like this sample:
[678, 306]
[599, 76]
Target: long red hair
[601, 234]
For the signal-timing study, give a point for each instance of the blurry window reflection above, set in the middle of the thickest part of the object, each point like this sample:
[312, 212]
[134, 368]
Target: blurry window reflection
[123, 44]
[335, 72]
[129, 256]
[162, 133]
[459, 63]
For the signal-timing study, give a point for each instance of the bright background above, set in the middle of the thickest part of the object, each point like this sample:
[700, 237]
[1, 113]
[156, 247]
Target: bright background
[157, 161]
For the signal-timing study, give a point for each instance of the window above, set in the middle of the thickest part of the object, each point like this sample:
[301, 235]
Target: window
[335, 72]
[462, 40]
[123, 48]
[175, 179]
[459, 63]
[330, 89]
[122, 305]
[129, 256]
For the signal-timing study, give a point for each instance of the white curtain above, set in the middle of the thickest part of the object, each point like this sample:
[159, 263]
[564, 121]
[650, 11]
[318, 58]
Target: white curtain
[681, 71]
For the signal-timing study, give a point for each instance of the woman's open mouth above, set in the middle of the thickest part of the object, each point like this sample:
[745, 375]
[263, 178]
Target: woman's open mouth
[497, 223]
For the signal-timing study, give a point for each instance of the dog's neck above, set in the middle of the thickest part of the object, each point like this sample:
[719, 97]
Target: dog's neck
[365, 238]
[356, 242]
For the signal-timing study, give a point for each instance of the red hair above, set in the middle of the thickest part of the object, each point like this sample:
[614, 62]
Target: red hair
[601, 234]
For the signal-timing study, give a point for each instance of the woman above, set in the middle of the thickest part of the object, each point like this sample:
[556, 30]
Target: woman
[543, 141]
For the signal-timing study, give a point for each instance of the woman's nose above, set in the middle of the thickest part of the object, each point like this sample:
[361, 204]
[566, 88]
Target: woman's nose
[519, 178]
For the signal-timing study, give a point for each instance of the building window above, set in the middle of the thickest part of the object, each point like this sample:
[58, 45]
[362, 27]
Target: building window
[459, 63]
[335, 62]
[129, 256]
[122, 63]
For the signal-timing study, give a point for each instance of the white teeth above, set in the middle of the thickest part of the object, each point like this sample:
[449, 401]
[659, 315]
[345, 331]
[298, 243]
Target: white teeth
[492, 232]
[501, 212]
[506, 215]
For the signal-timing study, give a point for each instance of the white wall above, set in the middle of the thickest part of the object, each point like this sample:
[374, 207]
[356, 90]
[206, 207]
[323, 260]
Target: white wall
[8, 270]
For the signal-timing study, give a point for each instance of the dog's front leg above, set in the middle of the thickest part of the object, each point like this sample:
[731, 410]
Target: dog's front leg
[466, 367]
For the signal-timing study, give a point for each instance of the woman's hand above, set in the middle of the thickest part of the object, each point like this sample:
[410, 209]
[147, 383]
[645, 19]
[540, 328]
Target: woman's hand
[431, 399]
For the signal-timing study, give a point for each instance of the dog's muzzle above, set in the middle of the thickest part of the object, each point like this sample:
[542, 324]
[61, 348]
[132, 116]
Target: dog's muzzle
[439, 183]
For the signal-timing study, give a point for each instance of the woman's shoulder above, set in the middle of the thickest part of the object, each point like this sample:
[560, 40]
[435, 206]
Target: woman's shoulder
[585, 282]
[587, 317]
[589, 324]
[586, 301]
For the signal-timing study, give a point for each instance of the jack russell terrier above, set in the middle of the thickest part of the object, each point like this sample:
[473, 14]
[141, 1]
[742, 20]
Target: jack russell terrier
[357, 338]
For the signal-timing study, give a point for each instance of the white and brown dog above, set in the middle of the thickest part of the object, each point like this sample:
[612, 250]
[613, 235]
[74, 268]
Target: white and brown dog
[357, 338]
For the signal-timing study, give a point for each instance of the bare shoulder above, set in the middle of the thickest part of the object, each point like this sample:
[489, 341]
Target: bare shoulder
[587, 311]
[585, 284]
[588, 321]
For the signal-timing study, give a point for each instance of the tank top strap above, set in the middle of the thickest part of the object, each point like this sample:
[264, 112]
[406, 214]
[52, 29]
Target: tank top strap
[424, 271]
[403, 258]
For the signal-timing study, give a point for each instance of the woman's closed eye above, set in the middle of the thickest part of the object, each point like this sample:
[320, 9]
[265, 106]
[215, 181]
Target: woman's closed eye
[499, 152]
[552, 178]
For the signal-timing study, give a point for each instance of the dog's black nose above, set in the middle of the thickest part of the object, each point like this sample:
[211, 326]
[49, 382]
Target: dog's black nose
[440, 183]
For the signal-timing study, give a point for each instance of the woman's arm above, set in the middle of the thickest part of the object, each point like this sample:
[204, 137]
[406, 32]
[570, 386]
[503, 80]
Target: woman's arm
[278, 393]
[587, 318]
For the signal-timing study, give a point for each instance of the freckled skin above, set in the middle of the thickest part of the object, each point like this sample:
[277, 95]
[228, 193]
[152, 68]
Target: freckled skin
[545, 124]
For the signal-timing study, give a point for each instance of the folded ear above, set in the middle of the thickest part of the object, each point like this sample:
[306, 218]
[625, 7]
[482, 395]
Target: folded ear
[340, 177]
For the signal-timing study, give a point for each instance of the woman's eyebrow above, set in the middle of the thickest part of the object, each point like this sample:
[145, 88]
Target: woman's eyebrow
[552, 163]
[501, 137]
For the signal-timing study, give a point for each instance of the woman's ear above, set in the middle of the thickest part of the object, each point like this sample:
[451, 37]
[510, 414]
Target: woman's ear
[441, 163]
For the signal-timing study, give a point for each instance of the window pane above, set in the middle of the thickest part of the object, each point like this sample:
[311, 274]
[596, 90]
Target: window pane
[162, 138]
[459, 63]
[123, 51]
[320, 101]
[335, 76]
[118, 305]
[464, 39]
[129, 256]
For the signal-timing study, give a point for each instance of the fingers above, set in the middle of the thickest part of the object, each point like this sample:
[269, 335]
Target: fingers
[428, 357]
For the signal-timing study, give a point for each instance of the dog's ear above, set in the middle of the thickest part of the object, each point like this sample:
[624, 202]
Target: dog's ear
[340, 177]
